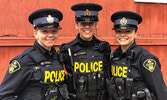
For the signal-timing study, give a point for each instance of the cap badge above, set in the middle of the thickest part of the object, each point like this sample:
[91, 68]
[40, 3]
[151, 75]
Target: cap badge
[123, 21]
[87, 13]
[50, 19]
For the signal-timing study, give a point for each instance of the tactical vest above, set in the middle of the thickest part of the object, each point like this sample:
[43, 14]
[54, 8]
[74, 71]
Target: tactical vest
[47, 71]
[47, 75]
[127, 79]
[88, 73]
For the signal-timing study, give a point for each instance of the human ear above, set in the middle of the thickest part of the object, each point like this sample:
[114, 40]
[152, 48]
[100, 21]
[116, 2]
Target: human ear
[96, 25]
[136, 32]
[35, 33]
[76, 26]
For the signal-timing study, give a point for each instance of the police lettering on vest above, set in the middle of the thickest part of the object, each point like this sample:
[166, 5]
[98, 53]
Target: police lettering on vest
[54, 76]
[119, 70]
[88, 67]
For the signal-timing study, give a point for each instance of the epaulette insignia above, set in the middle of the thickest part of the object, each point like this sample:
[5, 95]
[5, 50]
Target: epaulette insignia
[14, 66]
[149, 64]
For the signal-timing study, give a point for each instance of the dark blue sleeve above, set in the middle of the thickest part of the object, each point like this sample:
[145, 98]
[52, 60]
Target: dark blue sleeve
[14, 81]
[151, 69]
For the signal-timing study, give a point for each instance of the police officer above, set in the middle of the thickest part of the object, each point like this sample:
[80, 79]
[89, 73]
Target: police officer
[36, 74]
[85, 57]
[136, 72]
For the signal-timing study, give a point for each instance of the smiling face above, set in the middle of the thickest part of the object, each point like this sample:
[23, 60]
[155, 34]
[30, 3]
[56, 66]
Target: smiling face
[125, 37]
[86, 30]
[46, 37]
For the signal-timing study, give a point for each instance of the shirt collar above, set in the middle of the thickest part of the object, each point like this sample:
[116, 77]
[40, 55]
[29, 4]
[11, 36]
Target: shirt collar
[119, 50]
[131, 47]
[43, 50]
[86, 43]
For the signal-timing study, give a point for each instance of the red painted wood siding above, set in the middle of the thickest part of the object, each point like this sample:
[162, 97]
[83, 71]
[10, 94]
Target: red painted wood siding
[16, 33]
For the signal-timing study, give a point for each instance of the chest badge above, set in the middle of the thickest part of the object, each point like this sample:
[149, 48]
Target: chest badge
[149, 64]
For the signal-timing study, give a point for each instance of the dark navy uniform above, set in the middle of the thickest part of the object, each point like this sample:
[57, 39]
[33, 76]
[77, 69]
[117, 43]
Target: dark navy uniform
[89, 59]
[136, 73]
[86, 61]
[36, 74]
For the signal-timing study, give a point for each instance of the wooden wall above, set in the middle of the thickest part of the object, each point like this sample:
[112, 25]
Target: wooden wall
[16, 33]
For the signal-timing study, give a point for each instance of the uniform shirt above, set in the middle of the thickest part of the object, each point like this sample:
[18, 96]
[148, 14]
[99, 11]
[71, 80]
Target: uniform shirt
[146, 65]
[23, 78]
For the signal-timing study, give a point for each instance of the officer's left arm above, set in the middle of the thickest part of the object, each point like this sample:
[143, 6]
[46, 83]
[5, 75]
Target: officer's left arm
[151, 69]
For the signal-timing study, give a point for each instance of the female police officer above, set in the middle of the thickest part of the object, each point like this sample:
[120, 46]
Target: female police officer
[133, 68]
[86, 56]
[36, 74]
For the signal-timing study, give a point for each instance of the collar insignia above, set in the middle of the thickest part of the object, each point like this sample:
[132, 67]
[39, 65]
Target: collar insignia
[50, 19]
[87, 13]
[149, 64]
[123, 21]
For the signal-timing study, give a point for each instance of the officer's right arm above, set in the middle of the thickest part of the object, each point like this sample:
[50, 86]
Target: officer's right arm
[14, 81]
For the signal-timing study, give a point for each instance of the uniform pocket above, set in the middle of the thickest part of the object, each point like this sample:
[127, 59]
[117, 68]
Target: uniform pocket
[37, 73]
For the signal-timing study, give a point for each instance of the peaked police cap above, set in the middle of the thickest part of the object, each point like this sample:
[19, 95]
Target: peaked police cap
[86, 12]
[46, 18]
[125, 20]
